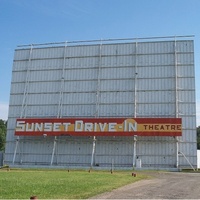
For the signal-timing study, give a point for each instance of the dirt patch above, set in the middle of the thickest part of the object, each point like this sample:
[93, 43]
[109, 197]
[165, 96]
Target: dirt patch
[163, 185]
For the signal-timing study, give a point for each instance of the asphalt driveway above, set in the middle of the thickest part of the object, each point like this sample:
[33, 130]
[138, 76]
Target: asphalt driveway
[163, 185]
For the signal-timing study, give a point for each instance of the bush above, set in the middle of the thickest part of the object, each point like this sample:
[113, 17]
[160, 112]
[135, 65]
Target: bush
[3, 129]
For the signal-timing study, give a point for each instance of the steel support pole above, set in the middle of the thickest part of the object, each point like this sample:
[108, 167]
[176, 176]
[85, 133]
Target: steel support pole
[176, 100]
[188, 161]
[135, 87]
[134, 150]
[177, 152]
[53, 152]
[24, 102]
[93, 151]
[59, 114]
[97, 104]
[15, 152]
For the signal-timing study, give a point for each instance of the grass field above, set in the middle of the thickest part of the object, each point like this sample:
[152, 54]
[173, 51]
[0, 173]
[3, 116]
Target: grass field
[61, 184]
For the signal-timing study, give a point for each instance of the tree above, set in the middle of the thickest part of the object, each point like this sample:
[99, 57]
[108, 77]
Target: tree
[198, 137]
[3, 125]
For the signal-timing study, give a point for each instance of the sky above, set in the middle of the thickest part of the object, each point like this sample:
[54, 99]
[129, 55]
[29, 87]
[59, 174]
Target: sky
[43, 21]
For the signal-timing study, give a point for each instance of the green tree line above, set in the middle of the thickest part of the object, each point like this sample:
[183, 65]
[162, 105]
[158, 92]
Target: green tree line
[3, 128]
[198, 137]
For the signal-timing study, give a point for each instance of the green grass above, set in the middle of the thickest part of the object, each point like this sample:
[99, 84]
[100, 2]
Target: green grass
[61, 184]
[190, 170]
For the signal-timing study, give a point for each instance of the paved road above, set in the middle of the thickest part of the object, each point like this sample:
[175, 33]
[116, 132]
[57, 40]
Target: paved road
[164, 185]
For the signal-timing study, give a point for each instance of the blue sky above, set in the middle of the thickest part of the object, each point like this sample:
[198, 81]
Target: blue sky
[41, 21]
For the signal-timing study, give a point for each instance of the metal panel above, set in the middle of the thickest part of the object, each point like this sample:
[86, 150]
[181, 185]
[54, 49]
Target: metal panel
[185, 71]
[109, 153]
[86, 74]
[83, 62]
[156, 72]
[145, 110]
[185, 59]
[79, 98]
[156, 84]
[187, 109]
[36, 87]
[78, 110]
[185, 46]
[19, 76]
[19, 66]
[80, 86]
[117, 73]
[115, 85]
[122, 61]
[21, 54]
[48, 53]
[186, 83]
[111, 110]
[82, 51]
[157, 59]
[162, 96]
[10, 134]
[189, 135]
[14, 111]
[37, 76]
[155, 47]
[116, 97]
[186, 96]
[118, 49]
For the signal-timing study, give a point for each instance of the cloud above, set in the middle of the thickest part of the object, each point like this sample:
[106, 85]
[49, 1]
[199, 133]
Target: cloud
[4, 110]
